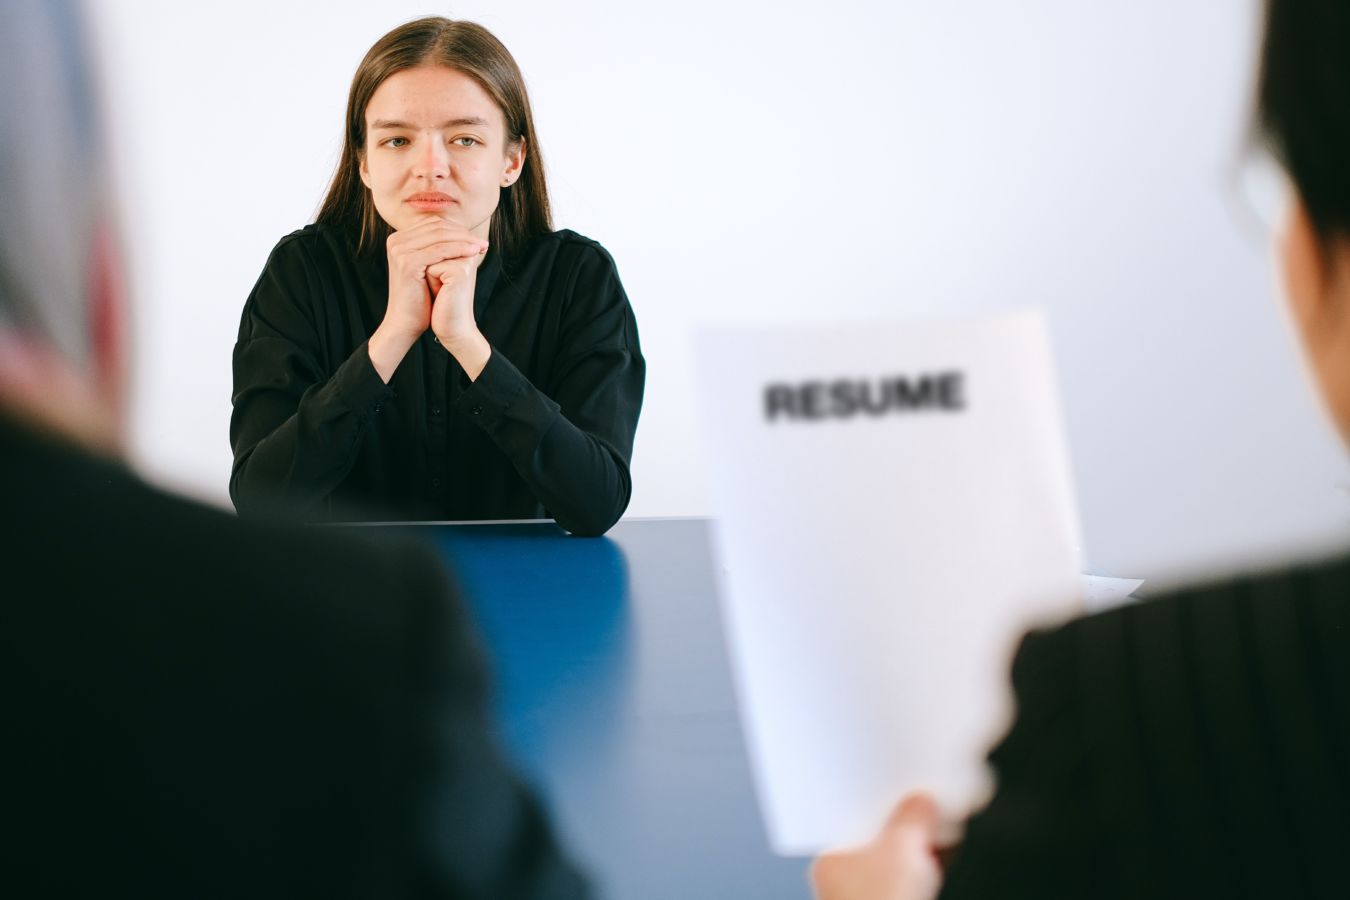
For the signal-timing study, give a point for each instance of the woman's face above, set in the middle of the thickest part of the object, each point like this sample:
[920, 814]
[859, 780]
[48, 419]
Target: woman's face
[436, 148]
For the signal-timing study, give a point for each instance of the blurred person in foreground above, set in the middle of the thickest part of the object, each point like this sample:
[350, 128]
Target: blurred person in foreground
[1196, 745]
[177, 724]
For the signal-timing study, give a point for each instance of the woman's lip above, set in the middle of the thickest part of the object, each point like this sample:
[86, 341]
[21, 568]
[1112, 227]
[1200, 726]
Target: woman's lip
[429, 201]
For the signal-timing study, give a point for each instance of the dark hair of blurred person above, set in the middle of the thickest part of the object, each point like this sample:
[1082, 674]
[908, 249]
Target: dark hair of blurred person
[1197, 744]
[1303, 119]
[1303, 106]
[177, 724]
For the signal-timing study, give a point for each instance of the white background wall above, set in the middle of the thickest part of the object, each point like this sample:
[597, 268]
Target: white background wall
[792, 161]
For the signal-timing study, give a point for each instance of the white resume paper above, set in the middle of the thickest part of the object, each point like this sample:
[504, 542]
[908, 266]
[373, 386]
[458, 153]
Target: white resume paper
[894, 508]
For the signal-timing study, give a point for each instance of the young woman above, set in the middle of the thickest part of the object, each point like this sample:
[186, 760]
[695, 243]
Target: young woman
[430, 348]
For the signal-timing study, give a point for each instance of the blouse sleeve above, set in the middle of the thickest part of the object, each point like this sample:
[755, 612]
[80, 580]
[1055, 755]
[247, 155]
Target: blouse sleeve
[296, 424]
[572, 440]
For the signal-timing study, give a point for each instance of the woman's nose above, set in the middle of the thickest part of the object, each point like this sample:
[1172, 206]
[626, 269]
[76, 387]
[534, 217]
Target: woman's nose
[434, 159]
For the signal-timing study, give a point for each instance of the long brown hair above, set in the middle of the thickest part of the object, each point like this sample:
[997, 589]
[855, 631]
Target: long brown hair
[523, 209]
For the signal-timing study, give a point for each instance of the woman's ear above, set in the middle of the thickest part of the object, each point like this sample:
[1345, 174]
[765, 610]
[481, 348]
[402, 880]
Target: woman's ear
[515, 162]
[363, 170]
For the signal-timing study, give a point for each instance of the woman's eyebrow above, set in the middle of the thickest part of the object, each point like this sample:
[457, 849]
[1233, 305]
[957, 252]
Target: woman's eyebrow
[451, 123]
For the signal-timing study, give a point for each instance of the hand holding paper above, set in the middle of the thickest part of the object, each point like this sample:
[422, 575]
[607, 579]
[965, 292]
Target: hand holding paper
[900, 863]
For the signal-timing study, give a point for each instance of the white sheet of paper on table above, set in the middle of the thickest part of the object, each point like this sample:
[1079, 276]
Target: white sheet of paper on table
[877, 570]
[1102, 592]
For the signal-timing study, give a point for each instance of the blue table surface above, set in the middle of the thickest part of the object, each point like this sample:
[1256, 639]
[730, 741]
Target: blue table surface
[614, 697]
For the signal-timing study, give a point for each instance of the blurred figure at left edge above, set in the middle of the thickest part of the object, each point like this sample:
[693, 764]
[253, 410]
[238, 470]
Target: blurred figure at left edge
[195, 706]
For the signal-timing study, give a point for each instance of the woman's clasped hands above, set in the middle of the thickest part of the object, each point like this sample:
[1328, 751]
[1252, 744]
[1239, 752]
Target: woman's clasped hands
[433, 269]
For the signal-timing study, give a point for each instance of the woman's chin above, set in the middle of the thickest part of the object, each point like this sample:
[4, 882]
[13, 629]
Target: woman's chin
[413, 218]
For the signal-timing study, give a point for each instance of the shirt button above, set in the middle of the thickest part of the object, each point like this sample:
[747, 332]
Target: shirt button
[435, 339]
[476, 411]
[435, 410]
[435, 482]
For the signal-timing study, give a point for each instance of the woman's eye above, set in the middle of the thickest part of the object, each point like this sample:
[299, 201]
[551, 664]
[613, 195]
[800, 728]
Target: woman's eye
[396, 142]
[466, 141]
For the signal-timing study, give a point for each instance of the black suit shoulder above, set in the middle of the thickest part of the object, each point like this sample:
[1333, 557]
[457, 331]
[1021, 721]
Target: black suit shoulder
[204, 707]
[1191, 745]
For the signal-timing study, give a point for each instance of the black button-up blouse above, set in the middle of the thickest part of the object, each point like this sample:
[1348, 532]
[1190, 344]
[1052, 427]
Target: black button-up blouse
[545, 431]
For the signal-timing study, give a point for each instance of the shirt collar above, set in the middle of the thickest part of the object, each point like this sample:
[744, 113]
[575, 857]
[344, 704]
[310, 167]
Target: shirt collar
[485, 280]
